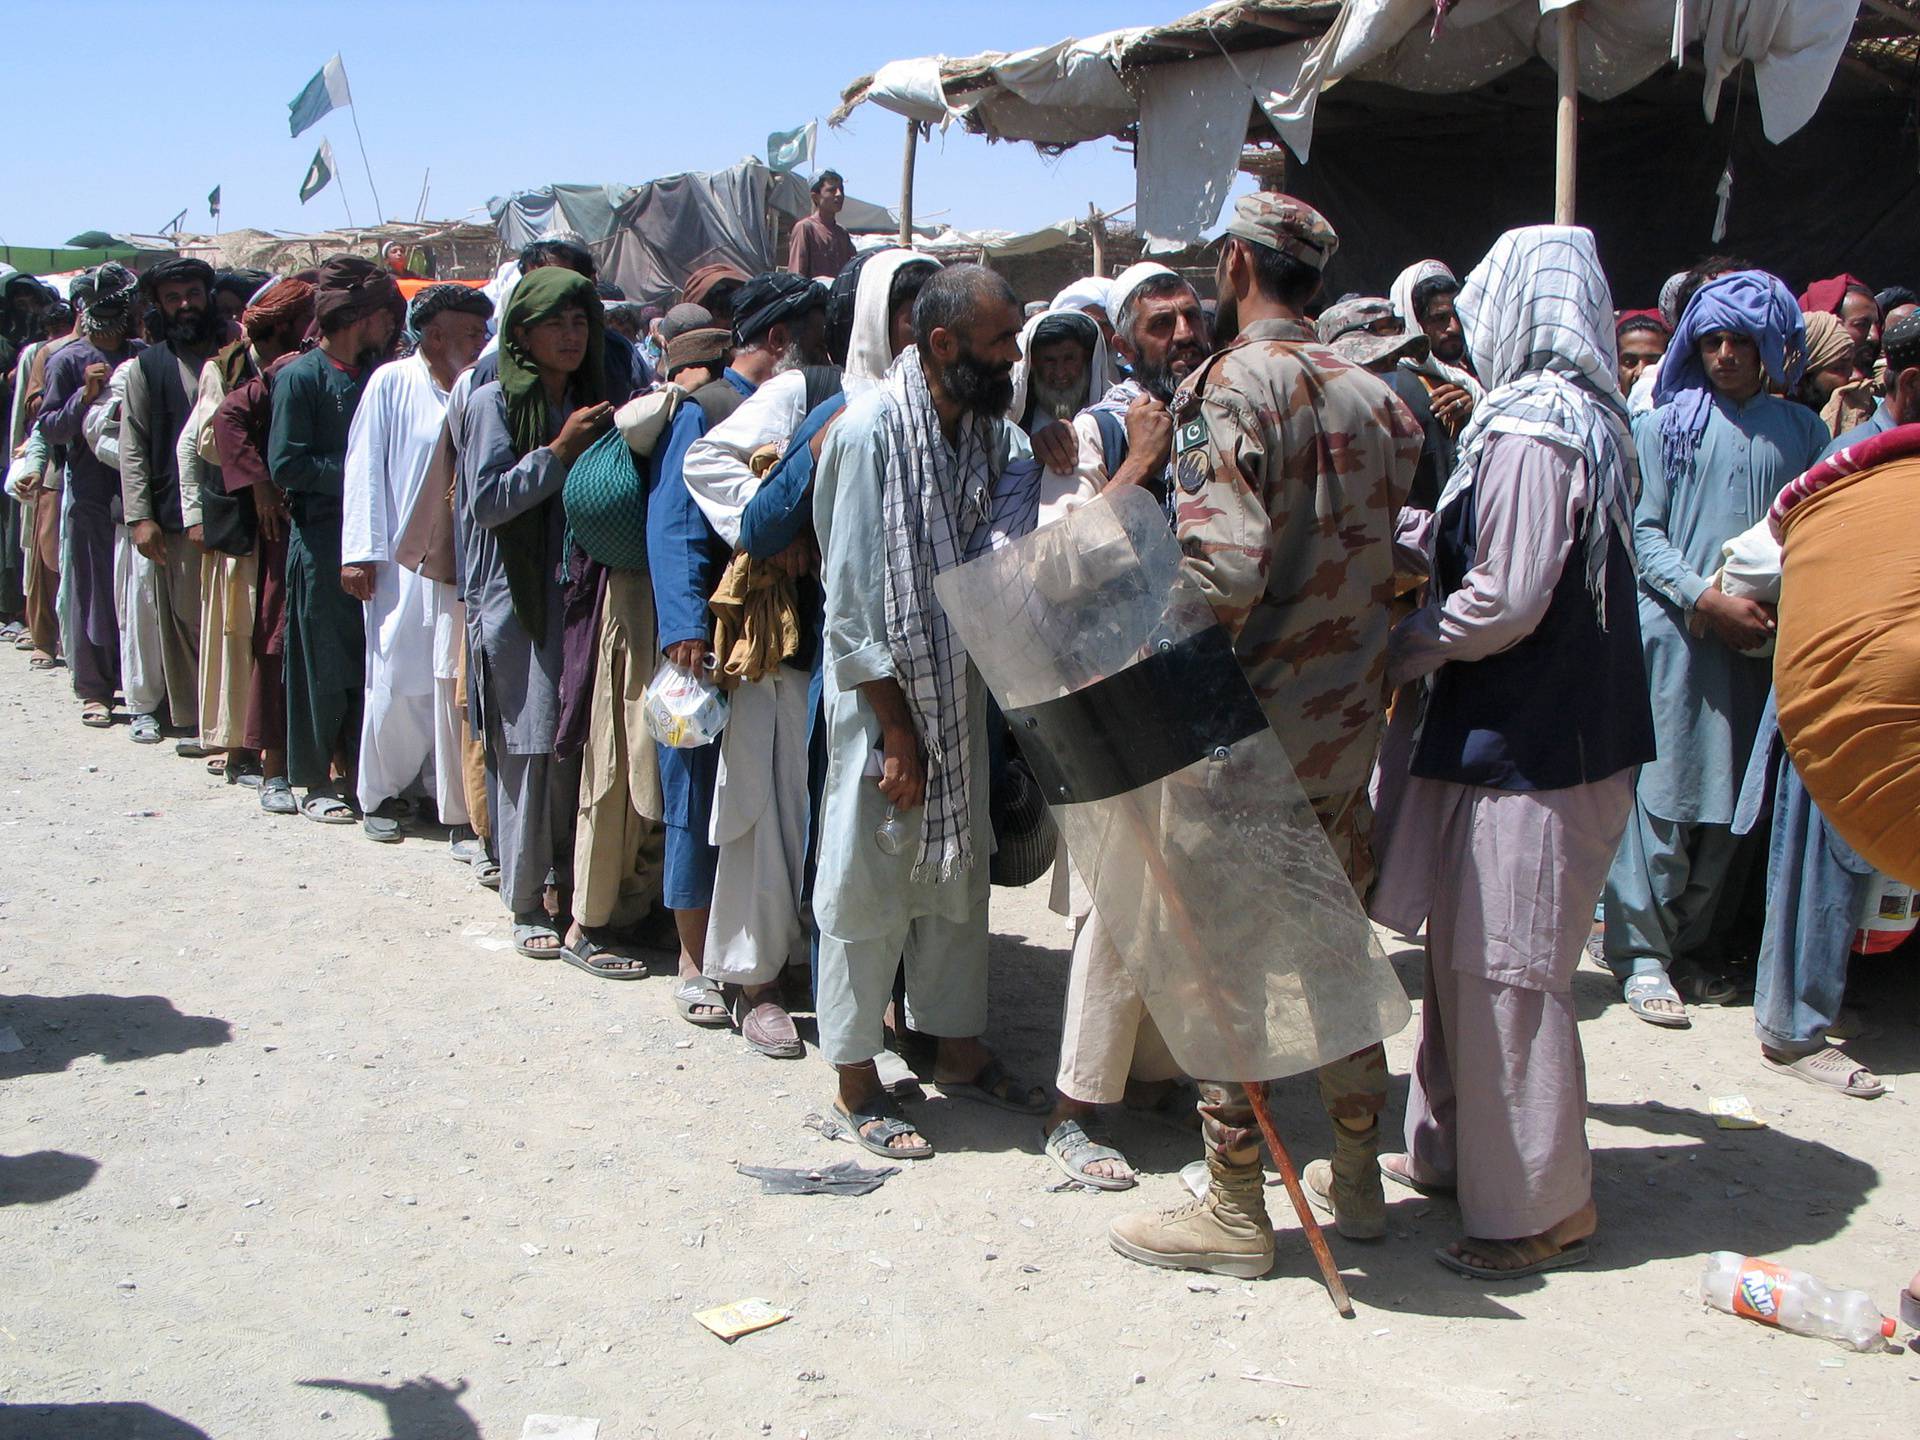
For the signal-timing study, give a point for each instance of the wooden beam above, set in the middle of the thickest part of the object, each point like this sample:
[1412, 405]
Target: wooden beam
[1566, 154]
[906, 185]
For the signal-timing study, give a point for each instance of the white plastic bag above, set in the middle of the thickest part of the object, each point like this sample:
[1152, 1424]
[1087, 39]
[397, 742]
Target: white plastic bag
[683, 710]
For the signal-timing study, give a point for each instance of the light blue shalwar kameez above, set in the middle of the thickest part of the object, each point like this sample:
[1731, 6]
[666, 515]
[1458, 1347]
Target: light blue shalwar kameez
[871, 913]
[1666, 885]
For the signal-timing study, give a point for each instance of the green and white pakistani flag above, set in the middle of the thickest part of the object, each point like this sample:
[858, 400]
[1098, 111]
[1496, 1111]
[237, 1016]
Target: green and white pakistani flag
[325, 92]
[319, 173]
[788, 150]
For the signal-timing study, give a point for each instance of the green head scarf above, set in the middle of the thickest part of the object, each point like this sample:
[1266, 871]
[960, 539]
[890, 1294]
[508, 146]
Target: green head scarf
[523, 539]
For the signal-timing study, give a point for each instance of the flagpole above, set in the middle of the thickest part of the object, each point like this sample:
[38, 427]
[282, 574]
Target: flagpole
[380, 210]
[344, 205]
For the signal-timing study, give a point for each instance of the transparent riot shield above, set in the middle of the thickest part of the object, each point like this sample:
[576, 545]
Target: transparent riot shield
[1203, 856]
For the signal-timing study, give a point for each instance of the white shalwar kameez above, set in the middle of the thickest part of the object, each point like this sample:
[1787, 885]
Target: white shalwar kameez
[410, 732]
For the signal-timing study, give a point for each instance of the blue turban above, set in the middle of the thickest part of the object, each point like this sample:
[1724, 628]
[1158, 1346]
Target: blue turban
[1747, 302]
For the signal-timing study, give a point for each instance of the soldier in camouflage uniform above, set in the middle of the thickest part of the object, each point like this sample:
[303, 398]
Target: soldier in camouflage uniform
[1291, 467]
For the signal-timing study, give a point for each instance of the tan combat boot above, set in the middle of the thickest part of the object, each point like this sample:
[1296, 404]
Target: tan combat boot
[1226, 1232]
[1349, 1188]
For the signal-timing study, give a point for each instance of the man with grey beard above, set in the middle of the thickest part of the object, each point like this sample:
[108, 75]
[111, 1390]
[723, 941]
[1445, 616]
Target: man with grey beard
[1125, 436]
[1110, 1050]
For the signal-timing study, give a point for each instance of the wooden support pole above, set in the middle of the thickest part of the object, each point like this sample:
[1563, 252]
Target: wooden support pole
[906, 185]
[1097, 230]
[1566, 159]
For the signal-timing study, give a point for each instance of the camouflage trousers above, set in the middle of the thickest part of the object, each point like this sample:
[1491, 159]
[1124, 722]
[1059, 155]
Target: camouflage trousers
[1353, 1088]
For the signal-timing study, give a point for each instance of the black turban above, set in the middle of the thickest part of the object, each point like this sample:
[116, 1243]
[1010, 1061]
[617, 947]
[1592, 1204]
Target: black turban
[180, 269]
[767, 300]
[440, 299]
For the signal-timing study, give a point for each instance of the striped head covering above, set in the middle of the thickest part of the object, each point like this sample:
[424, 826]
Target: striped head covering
[1538, 316]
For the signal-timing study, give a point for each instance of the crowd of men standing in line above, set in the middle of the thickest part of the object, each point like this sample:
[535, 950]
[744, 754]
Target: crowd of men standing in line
[386, 590]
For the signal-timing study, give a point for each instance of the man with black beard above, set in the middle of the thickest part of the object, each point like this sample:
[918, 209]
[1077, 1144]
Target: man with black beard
[359, 309]
[904, 828]
[161, 390]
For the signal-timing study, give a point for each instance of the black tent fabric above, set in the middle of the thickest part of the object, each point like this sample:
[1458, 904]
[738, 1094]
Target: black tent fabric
[1405, 176]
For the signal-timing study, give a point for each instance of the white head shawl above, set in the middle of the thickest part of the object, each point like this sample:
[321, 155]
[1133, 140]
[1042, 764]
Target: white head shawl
[1429, 365]
[1538, 318]
[870, 351]
[1097, 367]
[1088, 290]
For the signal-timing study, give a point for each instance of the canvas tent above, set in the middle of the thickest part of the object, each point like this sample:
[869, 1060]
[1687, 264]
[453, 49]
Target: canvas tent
[648, 237]
[1430, 135]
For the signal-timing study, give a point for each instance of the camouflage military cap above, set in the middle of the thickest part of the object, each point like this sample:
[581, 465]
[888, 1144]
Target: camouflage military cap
[1364, 331]
[1280, 222]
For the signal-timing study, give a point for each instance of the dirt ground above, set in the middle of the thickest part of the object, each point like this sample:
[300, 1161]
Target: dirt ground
[293, 1145]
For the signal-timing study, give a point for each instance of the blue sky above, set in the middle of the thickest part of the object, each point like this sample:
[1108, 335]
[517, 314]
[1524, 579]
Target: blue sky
[154, 104]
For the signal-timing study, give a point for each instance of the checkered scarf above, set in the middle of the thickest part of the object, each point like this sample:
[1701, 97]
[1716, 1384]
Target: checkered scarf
[934, 498]
[1538, 315]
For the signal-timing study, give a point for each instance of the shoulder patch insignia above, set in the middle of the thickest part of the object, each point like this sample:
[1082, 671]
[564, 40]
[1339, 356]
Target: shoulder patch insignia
[1191, 435]
[1193, 469]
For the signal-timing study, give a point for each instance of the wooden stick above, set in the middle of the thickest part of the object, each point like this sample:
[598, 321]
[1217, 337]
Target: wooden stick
[1329, 1272]
[906, 185]
[1566, 157]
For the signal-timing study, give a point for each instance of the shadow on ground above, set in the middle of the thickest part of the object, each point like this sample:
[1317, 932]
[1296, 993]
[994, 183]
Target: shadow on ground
[423, 1409]
[43, 1175]
[55, 1030]
[114, 1420]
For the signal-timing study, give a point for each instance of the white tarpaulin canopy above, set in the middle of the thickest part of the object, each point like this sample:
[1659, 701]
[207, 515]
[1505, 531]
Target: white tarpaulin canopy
[1187, 91]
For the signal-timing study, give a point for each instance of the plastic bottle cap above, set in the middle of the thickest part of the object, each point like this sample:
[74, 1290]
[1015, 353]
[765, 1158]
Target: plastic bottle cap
[1887, 1328]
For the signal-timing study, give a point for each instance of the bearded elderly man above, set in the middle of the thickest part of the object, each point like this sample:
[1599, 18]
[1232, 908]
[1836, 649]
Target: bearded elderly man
[910, 481]
[410, 725]
[1290, 469]
[161, 389]
[1110, 1049]
[359, 309]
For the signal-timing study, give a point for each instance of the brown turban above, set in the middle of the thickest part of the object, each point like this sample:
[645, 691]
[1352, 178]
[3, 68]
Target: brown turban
[286, 305]
[708, 278]
[352, 287]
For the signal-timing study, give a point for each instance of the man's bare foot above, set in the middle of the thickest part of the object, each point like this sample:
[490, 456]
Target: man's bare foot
[1529, 1250]
[1065, 1110]
[860, 1089]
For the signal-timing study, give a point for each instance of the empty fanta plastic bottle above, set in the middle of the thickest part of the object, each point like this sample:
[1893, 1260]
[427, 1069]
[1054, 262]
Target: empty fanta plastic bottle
[1793, 1300]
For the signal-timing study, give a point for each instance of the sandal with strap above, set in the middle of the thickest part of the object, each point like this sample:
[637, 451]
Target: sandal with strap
[1831, 1069]
[144, 730]
[96, 714]
[701, 991]
[1699, 988]
[1653, 985]
[590, 955]
[276, 796]
[535, 925]
[1578, 1253]
[1073, 1150]
[994, 1086]
[326, 809]
[883, 1113]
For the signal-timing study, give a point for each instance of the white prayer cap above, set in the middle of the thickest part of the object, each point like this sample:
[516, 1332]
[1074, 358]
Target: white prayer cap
[1130, 280]
[1089, 290]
